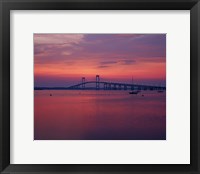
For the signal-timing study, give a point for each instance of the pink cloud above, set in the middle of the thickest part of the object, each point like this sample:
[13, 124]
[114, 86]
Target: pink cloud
[58, 38]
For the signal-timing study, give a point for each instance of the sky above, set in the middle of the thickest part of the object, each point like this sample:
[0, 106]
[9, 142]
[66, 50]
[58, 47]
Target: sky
[61, 60]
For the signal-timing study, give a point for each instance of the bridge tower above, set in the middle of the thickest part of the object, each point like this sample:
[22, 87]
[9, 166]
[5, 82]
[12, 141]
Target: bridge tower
[83, 82]
[97, 81]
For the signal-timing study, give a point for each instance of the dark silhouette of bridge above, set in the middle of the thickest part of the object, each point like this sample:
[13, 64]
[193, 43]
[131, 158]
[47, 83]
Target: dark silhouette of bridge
[104, 85]
[113, 86]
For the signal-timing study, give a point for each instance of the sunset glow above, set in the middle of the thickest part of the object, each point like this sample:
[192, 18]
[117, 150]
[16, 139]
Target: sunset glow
[63, 59]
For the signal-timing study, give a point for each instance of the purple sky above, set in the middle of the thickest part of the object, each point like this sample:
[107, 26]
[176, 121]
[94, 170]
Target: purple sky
[62, 59]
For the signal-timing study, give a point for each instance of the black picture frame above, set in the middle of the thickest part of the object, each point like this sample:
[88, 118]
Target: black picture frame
[7, 5]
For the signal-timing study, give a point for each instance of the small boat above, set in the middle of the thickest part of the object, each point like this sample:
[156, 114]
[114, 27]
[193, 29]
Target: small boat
[133, 92]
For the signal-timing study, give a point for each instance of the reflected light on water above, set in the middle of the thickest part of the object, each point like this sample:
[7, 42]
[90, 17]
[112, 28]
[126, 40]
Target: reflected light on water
[99, 115]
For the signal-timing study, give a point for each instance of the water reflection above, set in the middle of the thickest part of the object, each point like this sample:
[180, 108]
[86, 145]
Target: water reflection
[99, 115]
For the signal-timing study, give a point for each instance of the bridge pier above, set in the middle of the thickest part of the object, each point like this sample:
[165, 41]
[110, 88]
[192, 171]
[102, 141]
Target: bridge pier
[97, 82]
[105, 86]
[132, 87]
[83, 82]
[125, 87]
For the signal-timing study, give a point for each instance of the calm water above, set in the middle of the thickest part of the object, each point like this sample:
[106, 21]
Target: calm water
[99, 115]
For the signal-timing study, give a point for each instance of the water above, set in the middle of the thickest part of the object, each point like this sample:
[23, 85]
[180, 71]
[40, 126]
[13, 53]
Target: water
[99, 115]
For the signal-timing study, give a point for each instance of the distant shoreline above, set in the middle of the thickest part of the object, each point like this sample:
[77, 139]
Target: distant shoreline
[63, 88]
[82, 89]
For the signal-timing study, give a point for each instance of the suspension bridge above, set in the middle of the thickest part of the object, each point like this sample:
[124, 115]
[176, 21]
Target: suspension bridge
[104, 85]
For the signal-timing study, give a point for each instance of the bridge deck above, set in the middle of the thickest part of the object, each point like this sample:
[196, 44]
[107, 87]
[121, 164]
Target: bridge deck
[116, 84]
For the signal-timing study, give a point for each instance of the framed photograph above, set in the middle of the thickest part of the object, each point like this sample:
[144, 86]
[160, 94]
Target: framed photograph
[99, 86]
